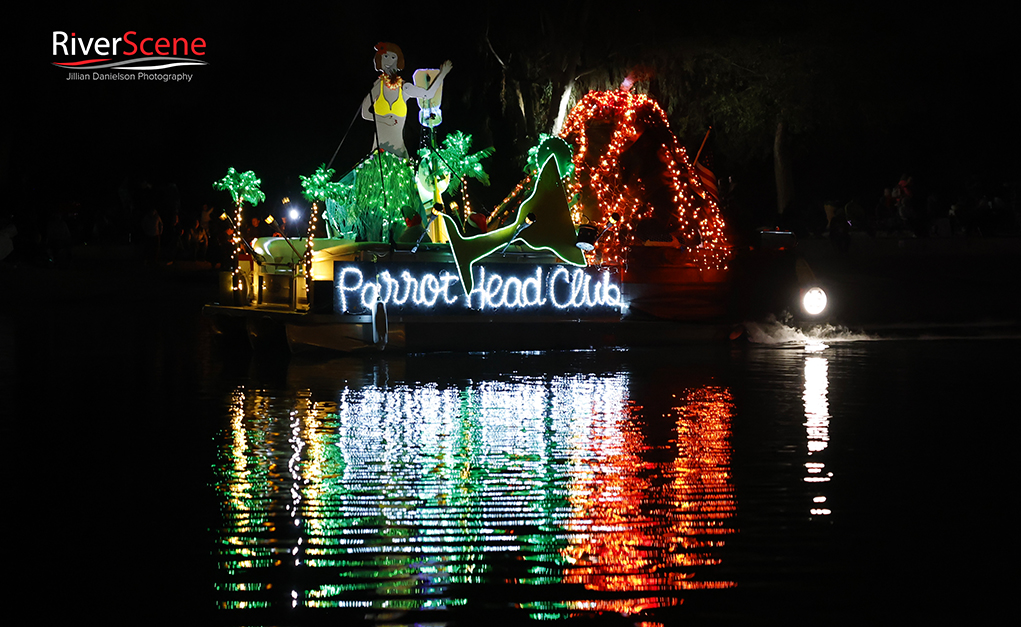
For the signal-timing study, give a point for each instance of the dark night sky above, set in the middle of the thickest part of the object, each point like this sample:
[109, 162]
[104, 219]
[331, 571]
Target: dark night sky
[276, 97]
[282, 87]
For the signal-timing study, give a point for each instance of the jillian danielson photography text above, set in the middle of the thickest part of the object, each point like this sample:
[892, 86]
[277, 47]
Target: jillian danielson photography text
[129, 76]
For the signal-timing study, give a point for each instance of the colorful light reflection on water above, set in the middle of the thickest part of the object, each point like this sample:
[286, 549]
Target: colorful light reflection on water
[406, 497]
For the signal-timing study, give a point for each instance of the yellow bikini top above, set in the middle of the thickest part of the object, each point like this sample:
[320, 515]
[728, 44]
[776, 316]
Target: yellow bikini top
[399, 107]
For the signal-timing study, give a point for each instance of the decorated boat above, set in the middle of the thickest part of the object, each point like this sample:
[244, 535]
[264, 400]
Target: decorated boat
[613, 238]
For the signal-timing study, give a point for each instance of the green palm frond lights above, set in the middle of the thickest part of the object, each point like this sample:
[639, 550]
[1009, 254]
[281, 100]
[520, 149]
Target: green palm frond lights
[453, 158]
[243, 186]
[318, 186]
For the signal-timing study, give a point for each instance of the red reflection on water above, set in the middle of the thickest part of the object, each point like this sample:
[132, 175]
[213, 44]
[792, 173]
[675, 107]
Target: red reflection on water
[644, 525]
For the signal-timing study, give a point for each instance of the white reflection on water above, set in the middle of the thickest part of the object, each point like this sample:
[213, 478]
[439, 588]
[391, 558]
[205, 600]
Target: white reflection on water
[817, 426]
[395, 496]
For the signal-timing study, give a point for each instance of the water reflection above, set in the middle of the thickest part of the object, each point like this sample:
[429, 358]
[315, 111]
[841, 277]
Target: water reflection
[400, 496]
[817, 427]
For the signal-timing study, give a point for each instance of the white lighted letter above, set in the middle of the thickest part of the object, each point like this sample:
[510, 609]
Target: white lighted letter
[480, 289]
[533, 284]
[396, 296]
[430, 290]
[343, 287]
[611, 293]
[448, 279]
[579, 283]
[561, 270]
[388, 287]
[370, 293]
[515, 300]
[490, 291]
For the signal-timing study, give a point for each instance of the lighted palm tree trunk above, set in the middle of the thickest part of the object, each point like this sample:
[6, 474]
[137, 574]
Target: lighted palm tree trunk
[242, 186]
[236, 240]
[313, 220]
[318, 188]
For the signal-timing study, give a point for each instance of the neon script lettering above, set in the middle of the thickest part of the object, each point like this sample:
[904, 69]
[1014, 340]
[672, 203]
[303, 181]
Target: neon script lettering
[551, 288]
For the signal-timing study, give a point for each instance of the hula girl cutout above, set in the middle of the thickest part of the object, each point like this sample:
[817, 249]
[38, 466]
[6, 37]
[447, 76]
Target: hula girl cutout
[387, 102]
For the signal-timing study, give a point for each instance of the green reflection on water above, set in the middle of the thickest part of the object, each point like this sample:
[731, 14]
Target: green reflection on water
[398, 496]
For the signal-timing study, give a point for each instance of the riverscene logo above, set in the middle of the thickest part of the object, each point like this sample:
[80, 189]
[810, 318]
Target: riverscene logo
[128, 57]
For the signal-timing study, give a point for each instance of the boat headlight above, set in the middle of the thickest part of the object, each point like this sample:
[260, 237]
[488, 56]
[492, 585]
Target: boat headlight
[813, 301]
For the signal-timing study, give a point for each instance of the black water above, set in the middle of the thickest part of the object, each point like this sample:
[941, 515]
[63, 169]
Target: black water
[159, 477]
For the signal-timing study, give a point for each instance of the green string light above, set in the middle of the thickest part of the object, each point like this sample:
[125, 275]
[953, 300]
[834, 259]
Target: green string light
[455, 160]
[243, 186]
[318, 186]
[365, 206]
